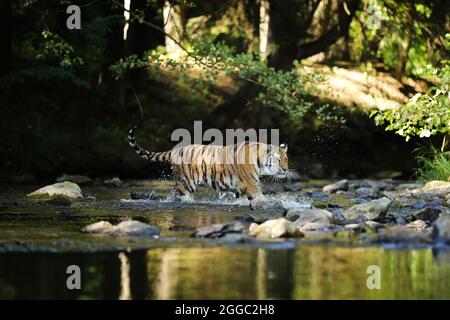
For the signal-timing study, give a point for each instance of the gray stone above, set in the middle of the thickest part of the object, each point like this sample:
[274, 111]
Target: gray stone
[437, 187]
[292, 187]
[130, 228]
[272, 188]
[99, 227]
[338, 217]
[237, 238]
[418, 225]
[365, 192]
[257, 218]
[409, 186]
[427, 214]
[304, 216]
[401, 234]
[373, 225]
[376, 185]
[406, 201]
[341, 185]
[277, 228]
[355, 227]
[135, 228]
[114, 183]
[137, 195]
[441, 229]
[371, 210]
[218, 230]
[67, 189]
[314, 227]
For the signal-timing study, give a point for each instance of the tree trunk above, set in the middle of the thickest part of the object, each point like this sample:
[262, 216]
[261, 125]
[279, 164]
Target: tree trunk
[264, 29]
[406, 43]
[173, 26]
[5, 36]
[140, 39]
[115, 49]
[288, 51]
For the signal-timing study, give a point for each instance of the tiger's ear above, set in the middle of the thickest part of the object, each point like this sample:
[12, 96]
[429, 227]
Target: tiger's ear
[284, 146]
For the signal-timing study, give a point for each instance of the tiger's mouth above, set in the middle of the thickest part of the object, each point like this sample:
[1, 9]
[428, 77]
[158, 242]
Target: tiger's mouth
[274, 171]
[281, 174]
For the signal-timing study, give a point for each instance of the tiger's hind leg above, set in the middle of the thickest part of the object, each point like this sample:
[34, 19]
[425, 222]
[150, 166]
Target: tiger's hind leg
[183, 187]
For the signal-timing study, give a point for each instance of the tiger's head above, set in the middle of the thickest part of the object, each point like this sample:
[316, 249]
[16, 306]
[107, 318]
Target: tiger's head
[277, 162]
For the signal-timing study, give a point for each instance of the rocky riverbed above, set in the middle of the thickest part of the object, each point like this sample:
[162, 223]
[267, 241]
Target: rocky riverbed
[309, 239]
[358, 212]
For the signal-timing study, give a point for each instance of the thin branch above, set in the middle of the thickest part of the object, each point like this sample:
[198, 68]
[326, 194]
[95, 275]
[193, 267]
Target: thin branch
[168, 15]
[177, 42]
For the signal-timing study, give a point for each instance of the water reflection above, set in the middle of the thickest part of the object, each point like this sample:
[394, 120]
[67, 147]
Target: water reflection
[306, 272]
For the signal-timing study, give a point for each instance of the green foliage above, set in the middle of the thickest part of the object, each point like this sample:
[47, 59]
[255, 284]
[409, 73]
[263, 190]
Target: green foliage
[406, 40]
[56, 47]
[434, 166]
[423, 115]
[281, 90]
[132, 62]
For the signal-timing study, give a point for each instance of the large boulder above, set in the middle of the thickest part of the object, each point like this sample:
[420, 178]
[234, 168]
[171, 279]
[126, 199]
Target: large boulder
[218, 230]
[401, 234]
[114, 183]
[276, 228]
[437, 187]
[99, 227]
[131, 228]
[341, 185]
[371, 210]
[441, 229]
[365, 192]
[67, 189]
[135, 228]
[310, 219]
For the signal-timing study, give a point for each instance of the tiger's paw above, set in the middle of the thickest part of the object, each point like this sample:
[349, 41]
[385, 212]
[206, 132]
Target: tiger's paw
[186, 198]
[257, 203]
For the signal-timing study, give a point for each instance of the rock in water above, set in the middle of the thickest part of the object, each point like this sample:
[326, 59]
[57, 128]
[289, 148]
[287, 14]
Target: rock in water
[135, 228]
[99, 227]
[136, 195]
[67, 189]
[373, 225]
[401, 234]
[276, 228]
[130, 228]
[218, 230]
[371, 210]
[341, 185]
[310, 219]
[114, 183]
[441, 229]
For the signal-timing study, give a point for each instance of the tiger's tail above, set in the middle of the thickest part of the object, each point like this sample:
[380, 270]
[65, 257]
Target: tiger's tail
[148, 155]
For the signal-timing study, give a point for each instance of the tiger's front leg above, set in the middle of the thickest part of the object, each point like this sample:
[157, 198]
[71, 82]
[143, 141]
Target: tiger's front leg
[255, 195]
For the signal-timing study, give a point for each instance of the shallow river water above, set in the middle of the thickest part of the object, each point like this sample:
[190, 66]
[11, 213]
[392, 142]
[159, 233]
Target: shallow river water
[39, 242]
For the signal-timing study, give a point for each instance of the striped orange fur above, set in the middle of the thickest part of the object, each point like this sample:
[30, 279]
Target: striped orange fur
[235, 168]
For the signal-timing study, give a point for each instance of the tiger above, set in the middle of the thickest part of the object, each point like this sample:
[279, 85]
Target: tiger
[232, 168]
